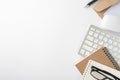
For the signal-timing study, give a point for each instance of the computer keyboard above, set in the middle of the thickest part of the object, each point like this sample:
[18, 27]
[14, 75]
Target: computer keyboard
[97, 38]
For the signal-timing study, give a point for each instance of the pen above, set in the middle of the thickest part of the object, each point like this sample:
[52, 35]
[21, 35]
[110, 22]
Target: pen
[91, 2]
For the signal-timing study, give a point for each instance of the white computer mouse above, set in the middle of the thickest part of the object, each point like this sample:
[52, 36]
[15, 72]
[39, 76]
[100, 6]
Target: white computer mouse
[111, 22]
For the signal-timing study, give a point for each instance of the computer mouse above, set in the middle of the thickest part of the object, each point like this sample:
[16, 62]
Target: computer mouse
[111, 22]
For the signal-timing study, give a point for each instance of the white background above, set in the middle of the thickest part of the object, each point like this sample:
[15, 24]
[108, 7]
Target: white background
[39, 39]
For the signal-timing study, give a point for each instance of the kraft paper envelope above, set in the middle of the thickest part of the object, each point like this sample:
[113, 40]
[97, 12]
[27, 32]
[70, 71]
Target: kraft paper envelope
[103, 5]
[100, 56]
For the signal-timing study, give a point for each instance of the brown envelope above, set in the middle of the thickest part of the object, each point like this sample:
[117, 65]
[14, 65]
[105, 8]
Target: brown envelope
[100, 56]
[103, 5]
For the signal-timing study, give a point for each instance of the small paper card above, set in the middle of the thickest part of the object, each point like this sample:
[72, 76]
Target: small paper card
[97, 71]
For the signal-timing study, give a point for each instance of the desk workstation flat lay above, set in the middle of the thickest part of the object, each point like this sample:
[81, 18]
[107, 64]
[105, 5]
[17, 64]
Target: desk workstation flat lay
[41, 39]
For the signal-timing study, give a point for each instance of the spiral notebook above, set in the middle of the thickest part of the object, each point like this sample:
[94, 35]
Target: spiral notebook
[102, 56]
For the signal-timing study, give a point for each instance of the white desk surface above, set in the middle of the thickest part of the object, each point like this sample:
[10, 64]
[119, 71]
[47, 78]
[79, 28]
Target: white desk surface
[39, 39]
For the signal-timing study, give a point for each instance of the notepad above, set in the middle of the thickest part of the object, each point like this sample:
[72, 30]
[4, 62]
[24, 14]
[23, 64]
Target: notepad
[101, 55]
[97, 71]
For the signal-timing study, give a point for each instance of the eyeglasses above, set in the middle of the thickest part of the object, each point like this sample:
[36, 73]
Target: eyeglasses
[99, 74]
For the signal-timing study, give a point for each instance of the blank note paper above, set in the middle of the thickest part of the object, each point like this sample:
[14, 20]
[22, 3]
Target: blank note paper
[114, 10]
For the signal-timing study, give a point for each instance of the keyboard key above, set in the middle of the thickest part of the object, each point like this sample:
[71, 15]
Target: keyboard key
[105, 44]
[107, 35]
[115, 43]
[88, 48]
[118, 40]
[91, 33]
[95, 35]
[115, 49]
[119, 51]
[90, 38]
[82, 51]
[87, 53]
[118, 60]
[93, 29]
[97, 31]
[100, 37]
[118, 57]
[95, 46]
[105, 39]
[115, 54]
[119, 45]
[110, 41]
[110, 46]
[95, 40]
[103, 34]
[113, 38]
[88, 42]
[101, 42]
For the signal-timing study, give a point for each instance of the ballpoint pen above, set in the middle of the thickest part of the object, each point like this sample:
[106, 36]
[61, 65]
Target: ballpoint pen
[91, 2]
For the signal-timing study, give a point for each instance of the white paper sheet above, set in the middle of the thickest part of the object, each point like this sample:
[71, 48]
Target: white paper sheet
[111, 22]
[114, 10]
[87, 75]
